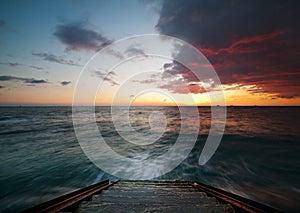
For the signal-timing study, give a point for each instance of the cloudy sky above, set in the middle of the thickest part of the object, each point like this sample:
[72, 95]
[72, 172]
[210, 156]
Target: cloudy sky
[254, 47]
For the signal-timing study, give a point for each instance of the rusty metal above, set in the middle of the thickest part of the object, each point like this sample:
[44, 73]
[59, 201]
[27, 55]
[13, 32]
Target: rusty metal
[69, 200]
[240, 204]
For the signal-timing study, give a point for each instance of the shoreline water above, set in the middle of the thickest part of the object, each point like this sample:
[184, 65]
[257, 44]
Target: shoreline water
[258, 156]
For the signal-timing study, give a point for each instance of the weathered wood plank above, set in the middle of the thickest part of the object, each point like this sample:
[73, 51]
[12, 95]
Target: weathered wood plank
[152, 193]
[166, 200]
[153, 196]
[122, 208]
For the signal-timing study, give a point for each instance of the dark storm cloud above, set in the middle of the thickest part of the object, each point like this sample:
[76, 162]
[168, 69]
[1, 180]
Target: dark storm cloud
[25, 80]
[55, 59]
[109, 77]
[219, 23]
[176, 78]
[177, 69]
[65, 83]
[76, 37]
[247, 42]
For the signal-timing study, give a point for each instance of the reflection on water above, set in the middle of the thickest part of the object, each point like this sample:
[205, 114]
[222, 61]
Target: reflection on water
[258, 157]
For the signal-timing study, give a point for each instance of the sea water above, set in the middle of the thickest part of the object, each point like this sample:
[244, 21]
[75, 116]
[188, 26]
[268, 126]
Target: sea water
[258, 158]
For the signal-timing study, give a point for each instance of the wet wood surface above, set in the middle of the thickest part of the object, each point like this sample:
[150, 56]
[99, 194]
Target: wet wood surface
[153, 196]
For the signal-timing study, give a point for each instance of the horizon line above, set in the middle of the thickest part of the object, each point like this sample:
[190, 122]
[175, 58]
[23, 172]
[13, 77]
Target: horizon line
[85, 105]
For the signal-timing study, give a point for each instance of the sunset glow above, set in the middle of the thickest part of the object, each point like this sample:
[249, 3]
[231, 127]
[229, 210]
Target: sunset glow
[256, 58]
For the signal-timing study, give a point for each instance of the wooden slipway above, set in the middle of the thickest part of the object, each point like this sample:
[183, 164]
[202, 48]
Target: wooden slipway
[150, 196]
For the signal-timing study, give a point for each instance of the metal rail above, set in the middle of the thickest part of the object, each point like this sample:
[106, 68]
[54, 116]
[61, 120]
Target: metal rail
[70, 199]
[240, 204]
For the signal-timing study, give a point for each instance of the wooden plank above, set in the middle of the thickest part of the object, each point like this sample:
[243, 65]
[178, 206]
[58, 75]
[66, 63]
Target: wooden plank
[158, 200]
[153, 196]
[151, 193]
[137, 208]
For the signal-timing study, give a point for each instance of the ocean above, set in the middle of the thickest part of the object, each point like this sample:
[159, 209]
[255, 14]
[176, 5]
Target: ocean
[258, 157]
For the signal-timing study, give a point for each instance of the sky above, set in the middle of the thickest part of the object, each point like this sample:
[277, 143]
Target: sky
[254, 47]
